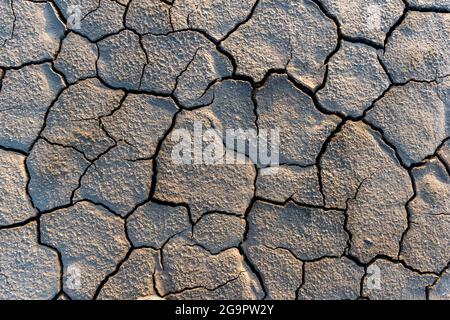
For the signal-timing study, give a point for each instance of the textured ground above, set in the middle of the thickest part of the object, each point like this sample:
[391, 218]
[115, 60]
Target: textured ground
[359, 89]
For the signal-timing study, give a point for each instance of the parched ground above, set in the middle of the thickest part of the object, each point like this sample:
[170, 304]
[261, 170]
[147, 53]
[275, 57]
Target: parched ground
[92, 206]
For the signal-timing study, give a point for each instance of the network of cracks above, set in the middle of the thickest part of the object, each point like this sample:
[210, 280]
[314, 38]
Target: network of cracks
[92, 205]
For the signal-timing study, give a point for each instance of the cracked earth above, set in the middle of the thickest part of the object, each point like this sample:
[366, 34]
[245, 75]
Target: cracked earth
[87, 179]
